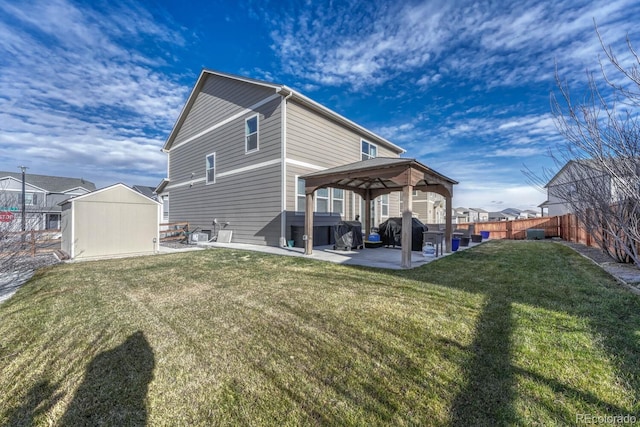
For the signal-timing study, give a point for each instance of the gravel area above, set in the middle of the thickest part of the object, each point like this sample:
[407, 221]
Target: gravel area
[20, 270]
[627, 274]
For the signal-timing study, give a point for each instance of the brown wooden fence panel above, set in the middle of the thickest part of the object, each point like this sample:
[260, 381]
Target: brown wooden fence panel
[565, 226]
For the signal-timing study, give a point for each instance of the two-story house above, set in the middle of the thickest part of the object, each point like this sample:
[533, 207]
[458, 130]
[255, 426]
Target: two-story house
[43, 193]
[238, 151]
[577, 180]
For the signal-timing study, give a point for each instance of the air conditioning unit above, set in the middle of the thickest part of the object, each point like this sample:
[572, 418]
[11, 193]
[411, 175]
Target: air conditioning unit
[199, 237]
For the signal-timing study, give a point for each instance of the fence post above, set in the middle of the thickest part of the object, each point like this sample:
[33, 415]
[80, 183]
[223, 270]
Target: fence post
[33, 243]
[509, 230]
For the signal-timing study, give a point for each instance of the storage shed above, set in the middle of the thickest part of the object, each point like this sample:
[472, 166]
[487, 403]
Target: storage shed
[112, 221]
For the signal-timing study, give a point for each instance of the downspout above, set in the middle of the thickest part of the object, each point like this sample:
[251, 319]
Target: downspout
[283, 168]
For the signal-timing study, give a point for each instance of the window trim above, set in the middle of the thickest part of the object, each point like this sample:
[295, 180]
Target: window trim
[371, 144]
[165, 208]
[328, 199]
[383, 204]
[206, 168]
[334, 198]
[299, 211]
[246, 134]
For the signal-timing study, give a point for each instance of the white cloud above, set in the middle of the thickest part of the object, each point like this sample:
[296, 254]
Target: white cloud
[360, 44]
[73, 95]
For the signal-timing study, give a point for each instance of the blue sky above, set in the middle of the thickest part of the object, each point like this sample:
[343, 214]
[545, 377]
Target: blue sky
[92, 89]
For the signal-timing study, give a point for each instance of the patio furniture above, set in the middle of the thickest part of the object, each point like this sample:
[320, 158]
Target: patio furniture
[476, 238]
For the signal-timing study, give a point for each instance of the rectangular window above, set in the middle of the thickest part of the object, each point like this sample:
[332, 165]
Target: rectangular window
[211, 168]
[369, 150]
[300, 195]
[251, 134]
[322, 200]
[30, 199]
[337, 201]
[165, 208]
[384, 205]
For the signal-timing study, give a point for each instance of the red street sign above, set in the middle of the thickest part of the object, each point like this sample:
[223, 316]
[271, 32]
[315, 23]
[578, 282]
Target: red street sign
[6, 216]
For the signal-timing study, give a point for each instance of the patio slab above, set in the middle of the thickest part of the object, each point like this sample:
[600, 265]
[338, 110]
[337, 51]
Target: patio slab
[383, 257]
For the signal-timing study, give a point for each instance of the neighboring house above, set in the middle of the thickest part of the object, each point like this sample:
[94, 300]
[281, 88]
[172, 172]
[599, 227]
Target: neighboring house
[504, 215]
[531, 213]
[428, 207]
[460, 215]
[146, 191]
[238, 150]
[566, 183]
[480, 214]
[43, 193]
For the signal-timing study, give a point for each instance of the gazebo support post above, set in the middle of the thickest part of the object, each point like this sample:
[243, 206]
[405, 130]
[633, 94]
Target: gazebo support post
[367, 213]
[407, 226]
[448, 230]
[308, 224]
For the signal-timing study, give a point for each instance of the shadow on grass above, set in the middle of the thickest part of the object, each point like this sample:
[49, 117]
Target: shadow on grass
[488, 395]
[486, 398]
[40, 399]
[115, 386]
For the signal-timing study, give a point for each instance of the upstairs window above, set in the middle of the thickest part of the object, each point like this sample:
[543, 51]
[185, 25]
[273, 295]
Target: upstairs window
[30, 199]
[251, 134]
[211, 168]
[369, 150]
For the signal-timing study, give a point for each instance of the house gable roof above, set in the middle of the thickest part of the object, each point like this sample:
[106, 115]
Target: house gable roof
[146, 190]
[51, 184]
[284, 91]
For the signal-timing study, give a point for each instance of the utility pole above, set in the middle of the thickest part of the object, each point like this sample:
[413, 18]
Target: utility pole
[24, 203]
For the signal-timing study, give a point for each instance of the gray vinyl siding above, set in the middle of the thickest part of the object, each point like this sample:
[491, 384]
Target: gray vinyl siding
[249, 200]
[317, 140]
[219, 98]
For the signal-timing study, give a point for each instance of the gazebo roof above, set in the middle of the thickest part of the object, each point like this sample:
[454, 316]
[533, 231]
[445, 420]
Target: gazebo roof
[382, 175]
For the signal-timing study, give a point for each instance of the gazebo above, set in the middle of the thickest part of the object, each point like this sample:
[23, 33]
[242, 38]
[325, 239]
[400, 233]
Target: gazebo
[375, 177]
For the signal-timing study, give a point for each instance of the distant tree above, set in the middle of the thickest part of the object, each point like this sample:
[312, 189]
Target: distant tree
[600, 153]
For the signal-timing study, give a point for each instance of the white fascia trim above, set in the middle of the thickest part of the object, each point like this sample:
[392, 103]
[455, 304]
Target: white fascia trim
[182, 184]
[283, 170]
[305, 165]
[249, 168]
[227, 120]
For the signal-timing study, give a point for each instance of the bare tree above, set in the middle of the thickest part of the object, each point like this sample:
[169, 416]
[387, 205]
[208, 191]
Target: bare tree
[599, 159]
[14, 241]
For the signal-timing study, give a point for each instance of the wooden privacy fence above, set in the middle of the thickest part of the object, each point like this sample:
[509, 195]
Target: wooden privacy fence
[31, 242]
[564, 226]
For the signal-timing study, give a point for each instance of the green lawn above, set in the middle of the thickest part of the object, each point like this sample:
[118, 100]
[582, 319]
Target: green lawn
[506, 333]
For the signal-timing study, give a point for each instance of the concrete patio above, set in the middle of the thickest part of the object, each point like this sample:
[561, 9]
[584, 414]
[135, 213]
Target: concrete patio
[369, 257]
